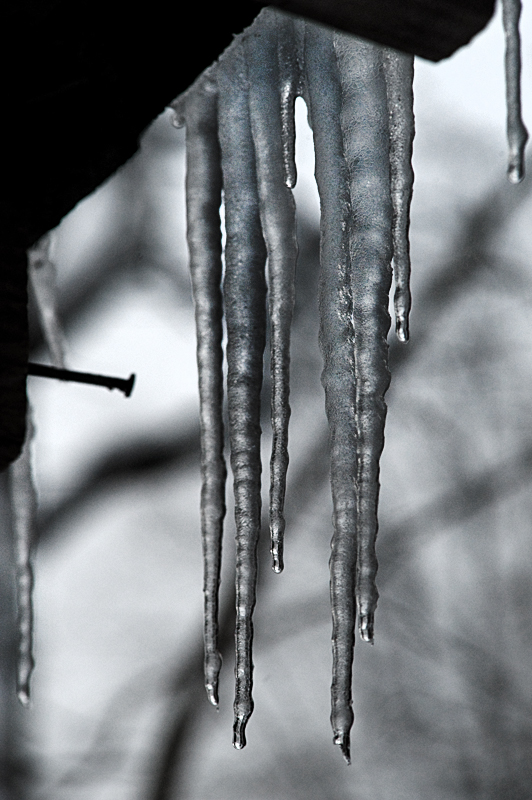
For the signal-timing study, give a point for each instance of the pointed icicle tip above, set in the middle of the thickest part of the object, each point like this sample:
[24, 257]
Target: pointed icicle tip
[516, 171]
[343, 741]
[23, 695]
[239, 733]
[212, 694]
[277, 558]
[401, 329]
[366, 628]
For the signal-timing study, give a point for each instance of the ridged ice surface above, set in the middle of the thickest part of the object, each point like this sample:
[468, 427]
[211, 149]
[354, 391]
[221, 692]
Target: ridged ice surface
[399, 74]
[516, 131]
[204, 191]
[273, 132]
[241, 142]
[23, 514]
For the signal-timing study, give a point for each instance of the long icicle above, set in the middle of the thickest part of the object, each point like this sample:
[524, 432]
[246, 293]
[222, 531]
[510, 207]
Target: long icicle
[245, 309]
[516, 131]
[337, 344]
[277, 214]
[366, 145]
[203, 193]
[290, 87]
[23, 511]
[399, 73]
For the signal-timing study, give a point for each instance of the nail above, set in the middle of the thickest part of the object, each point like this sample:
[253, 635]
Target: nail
[123, 384]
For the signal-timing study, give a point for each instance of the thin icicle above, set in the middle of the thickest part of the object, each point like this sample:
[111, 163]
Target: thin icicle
[203, 192]
[337, 344]
[289, 83]
[399, 73]
[516, 131]
[23, 511]
[277, 214]
[366, 145]
[43, 282]
[245, 310]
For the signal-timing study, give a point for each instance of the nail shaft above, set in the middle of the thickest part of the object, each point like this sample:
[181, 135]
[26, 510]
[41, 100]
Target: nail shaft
[123, 384]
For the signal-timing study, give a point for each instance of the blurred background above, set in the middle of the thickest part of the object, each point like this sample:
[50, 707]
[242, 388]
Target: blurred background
[443, 701]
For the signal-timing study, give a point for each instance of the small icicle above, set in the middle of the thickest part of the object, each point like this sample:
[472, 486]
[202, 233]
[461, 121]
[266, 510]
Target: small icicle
[203, 196]
[42, 277]
[399, 74]
[516, 131]
[245, 310]
[323, 93]
[277, 213]
[365, 130]
[289, 81]
[23, 510]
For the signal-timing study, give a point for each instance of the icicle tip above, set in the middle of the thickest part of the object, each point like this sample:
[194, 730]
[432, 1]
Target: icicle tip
[277, 555]
[401, 329]
[23, 695]
[212, 694]
[343, 741]
[516, 170]
[239, 733]
[366, 628]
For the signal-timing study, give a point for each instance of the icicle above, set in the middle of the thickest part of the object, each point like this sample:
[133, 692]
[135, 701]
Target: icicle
[43, 281]
[289, 83]
[245, 309]
[366, 145]
[23, 510]
[203, 192]
[277, 213]
[399, 72]
[337, 344]
[517, 133]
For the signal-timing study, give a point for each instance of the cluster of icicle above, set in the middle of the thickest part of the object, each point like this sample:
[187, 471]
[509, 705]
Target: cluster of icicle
[240, 139]
[240, 136]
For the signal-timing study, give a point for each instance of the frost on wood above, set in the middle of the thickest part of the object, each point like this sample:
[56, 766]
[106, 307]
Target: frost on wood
[240, 125]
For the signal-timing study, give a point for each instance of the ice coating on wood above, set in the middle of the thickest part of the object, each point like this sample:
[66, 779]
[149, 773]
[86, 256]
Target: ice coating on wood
[337, 342]
[516, 131]
[23, 511]
[41, 272]
[245, 312]
[366, 147]
[277, 216]
[203, 195]
[399, 73]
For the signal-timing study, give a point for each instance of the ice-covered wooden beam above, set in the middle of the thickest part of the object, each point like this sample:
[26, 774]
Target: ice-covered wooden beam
[433, 29]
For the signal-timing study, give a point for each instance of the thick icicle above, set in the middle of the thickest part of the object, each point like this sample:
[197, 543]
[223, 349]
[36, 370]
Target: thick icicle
[517, 133]
[245, 309]
[366, 145]
[277, 214]
[23, 510]
[399, 72]
[42, 278]
[203, 192]
[337, 343]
